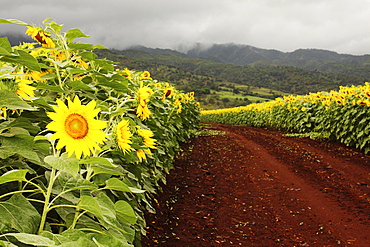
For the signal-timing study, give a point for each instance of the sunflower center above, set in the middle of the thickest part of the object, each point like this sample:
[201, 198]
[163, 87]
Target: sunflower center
[76, 126]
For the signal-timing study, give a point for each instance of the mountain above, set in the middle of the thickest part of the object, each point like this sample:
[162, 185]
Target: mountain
[174, 68]
[16, 39]
[234, 54]
[311, 59]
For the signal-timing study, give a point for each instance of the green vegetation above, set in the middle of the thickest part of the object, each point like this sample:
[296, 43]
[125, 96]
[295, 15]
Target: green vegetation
[212, 81]
[342, 115]
[84, 146]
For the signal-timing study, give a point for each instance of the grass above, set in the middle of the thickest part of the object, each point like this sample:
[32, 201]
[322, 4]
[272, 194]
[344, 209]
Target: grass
[226, 98]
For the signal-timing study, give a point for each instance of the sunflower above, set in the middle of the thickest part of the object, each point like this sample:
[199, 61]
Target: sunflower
[3, 112]
[41, 36]
[168, 91]
[143, 96]
[141, 154]
[126, 73]
[76, 128]
[148, 142]
[123, 135]
[145, 76]
[24, 90]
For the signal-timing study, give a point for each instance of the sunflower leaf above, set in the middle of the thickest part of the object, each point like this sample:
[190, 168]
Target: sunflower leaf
[58, 89]
[97, 161]
[22, 58]
[13, 21]
[116, 184]
[12, 101]
[65, 182]
[21, 145]
[64, 163]
[13, 175]
[32, 239]
[90, 204]
[124, 212]
[98, 169]
[19, 214]
[79, 85]
[5, 46]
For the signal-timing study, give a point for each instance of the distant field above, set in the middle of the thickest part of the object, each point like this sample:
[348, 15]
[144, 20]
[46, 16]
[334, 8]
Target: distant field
[226, 96]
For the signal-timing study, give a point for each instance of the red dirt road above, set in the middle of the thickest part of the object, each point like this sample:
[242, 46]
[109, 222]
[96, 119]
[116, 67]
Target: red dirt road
[257, 187]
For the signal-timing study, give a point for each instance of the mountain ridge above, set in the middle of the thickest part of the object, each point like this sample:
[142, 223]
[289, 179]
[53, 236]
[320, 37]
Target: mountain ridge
[245, 54]
[311, 59]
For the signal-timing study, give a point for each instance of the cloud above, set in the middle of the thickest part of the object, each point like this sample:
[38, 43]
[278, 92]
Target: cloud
[286, 25]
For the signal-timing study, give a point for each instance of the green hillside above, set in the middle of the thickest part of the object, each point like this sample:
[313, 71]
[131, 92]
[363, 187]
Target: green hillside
[219, 85]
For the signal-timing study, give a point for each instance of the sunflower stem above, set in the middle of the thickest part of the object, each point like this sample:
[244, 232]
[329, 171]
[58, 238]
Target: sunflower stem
[89, 172]
[47, 199]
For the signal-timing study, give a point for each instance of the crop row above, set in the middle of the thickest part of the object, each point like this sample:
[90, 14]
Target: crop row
[342, 115]
[84, 144]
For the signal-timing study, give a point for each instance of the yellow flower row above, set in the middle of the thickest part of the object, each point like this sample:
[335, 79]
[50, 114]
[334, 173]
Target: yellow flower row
[356, 95]
[75, 125]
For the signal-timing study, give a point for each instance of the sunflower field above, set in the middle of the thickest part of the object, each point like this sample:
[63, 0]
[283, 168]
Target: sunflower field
[83, 144]
[342, 115]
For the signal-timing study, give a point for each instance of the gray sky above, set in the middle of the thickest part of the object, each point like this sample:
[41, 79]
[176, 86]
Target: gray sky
[285, 25]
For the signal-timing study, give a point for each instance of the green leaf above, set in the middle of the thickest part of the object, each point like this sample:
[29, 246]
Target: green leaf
[104, 240]
[12, 101]
[70, 238]
[112, 84]
[13, 175]
[66, 182]
[97, 161]
[19, 122]
[19, 214]
[79, 85]
[5, 153]
[13, 21]
[88, 55]
[99, 47]
[41, 85]
[41, 102]
[108, 210]
[90, 204]
[116, 184]
[78, 238]
[5, 46]
[21, 145]
[7, 244]
[14, 131]
[63, 163]
[73, 34]
[81, 46]
[48, 76]
[32, 239]
[124, 212]
[22, 58]
[56, 238]
[98, 169]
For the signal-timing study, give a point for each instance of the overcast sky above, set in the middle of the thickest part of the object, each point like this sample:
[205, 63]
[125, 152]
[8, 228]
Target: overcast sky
[285, 25]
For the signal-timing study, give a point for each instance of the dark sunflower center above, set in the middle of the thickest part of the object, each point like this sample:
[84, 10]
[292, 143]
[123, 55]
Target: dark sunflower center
[76, 126]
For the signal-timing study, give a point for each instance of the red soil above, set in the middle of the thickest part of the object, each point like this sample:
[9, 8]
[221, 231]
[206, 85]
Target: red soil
[257, 187]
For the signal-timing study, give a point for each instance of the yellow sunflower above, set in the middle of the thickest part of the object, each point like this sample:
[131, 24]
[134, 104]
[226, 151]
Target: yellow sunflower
[3, 112]
[148, 142]
[41, 36]
[143, 96]
[76, 128]
[123, 135]
[145, 76]
[141, 154]
[126, 73]
[24, 90]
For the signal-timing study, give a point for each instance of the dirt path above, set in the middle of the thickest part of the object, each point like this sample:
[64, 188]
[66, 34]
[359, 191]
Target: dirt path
[256, 187]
